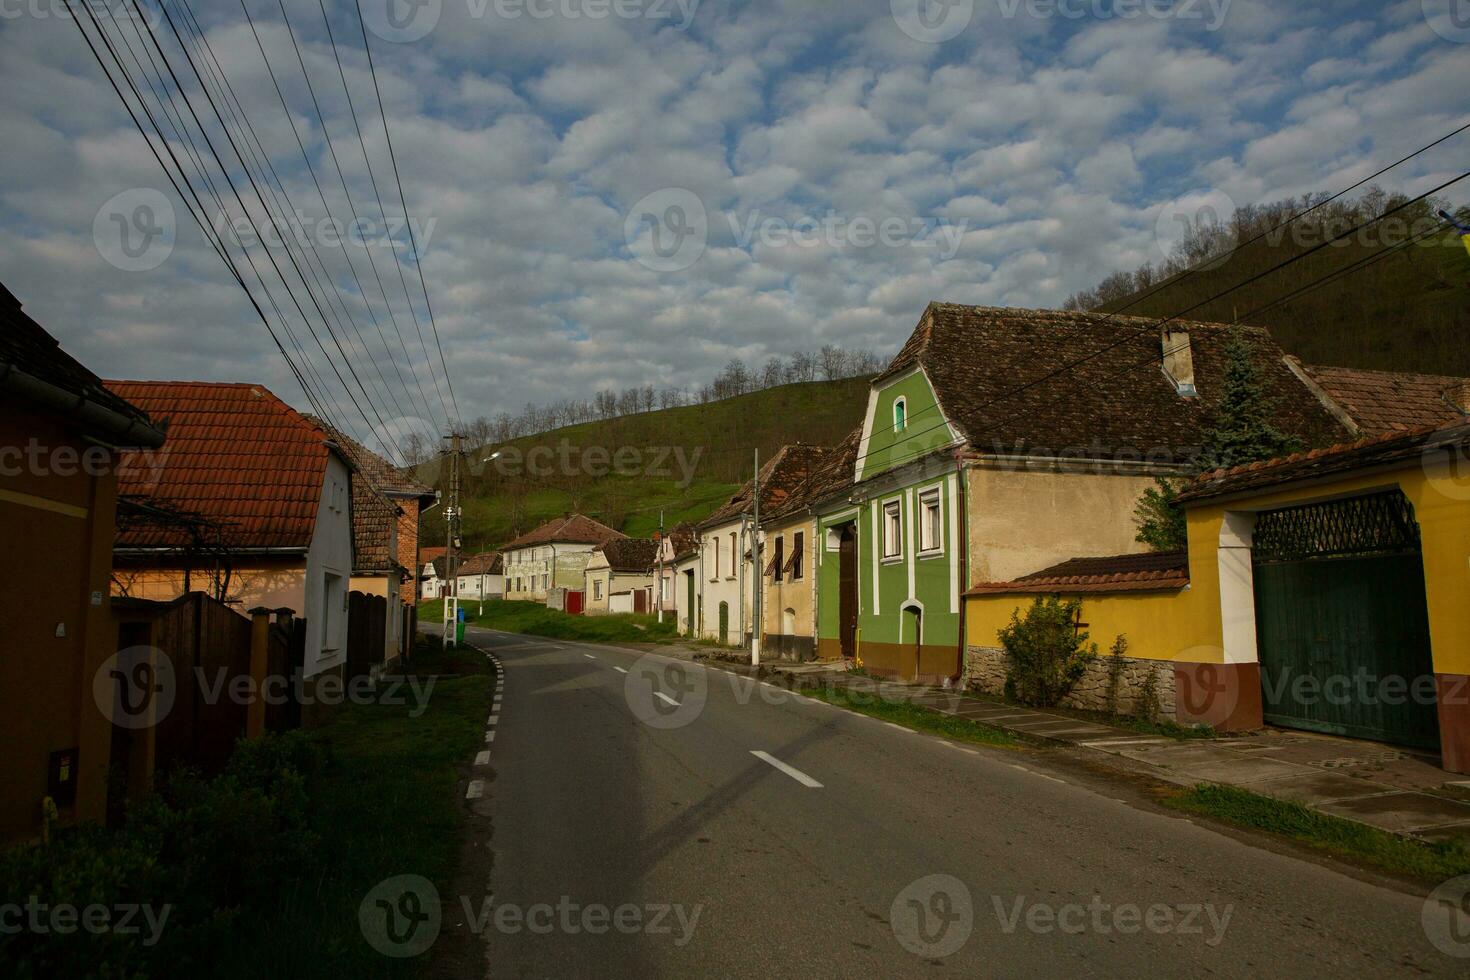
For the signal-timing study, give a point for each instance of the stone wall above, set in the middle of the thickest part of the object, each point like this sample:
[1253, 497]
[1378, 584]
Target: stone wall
[985, 670]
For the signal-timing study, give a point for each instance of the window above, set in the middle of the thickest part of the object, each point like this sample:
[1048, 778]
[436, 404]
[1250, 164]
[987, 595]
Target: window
[798, 554]
[734, 554]
[931, 528]
[334, 608]
[780, 556]
[900, 414]
[715, 566]
[892, 530]
[597, 588]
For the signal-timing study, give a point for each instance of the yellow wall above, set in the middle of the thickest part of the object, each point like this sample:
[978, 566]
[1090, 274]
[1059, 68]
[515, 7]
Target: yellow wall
[788, 594]
[1187, 626]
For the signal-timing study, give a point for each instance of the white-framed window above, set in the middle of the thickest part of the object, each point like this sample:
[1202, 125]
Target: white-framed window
[597, 588]
[892, 529]
[715, 565]
[931, 521]
[734, 554]
[900, 414]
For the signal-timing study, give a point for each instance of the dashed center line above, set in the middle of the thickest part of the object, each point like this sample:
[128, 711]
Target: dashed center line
[621, 670]
[666, 698]
[589, 656]
[791, 771]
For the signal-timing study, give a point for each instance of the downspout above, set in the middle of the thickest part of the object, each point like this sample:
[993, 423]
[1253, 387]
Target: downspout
[964, 583]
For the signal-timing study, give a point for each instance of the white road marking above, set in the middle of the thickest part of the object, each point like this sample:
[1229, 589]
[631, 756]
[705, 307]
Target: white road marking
[962, 748]
[482, 758]
[621, 670]
[899, 727]
[1110, 742]
[476, 789]
[490, 736]
[1041, 774]
[494, 718]
[589, 656]
[665, 697]
[794, 773]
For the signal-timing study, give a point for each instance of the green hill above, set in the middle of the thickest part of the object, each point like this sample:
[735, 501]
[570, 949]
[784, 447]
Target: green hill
[1402, 309]
[685, 461]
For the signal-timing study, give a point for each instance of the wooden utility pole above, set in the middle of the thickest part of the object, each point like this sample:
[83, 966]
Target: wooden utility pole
[451, 522]
[658, 592]
[755, 552]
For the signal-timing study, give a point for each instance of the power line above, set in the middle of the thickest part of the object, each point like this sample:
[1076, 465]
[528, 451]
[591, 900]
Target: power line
[418, 257]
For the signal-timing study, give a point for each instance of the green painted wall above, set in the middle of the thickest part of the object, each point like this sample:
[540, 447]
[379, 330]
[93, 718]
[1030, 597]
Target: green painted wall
[926, 428]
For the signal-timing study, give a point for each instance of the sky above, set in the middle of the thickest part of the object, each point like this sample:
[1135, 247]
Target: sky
[609, 193]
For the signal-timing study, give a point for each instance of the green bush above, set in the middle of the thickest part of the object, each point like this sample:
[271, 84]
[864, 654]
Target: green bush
[1047, 653]
[214, 851]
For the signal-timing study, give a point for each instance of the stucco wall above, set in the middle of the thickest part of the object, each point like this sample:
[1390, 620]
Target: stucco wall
[530, 564]
[724, 584]
[793, 634]
[1023, 520]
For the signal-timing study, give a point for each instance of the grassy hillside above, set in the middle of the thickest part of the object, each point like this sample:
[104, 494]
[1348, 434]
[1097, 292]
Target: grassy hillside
[1401, 310]
[621, 471]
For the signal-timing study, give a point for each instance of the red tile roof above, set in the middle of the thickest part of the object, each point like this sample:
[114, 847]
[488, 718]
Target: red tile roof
[635, 555]
[1390, 401]
[1155, 572]
[391, 480]
[574, 529]
[1387, 449]
[236, 455]
[374, 527]
[485, 563]
[782, 477]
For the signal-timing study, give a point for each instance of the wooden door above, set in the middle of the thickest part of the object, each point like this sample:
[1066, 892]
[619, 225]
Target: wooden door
[847, 603]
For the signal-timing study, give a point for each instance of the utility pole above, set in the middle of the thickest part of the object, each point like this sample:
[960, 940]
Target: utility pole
[658, 595]
[451, 522]
[758, 582]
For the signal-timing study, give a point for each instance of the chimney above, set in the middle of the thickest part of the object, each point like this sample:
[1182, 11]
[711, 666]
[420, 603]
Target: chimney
[1179, 362]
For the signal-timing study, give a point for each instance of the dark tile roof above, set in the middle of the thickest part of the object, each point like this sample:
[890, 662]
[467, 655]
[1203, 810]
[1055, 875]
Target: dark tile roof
[428, 554]
[236, 455]
[1152, 572]
[684, 539]
[374, 527]
[1117, 404]
[636, 555]
[26, 347]
[782, 476]
[1390, 401]
[485, 563]
[574, 529]
[1388, 449]
[391, 480]
[832, 476]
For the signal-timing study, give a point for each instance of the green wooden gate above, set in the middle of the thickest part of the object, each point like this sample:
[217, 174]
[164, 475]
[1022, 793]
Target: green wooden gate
[1342, 625]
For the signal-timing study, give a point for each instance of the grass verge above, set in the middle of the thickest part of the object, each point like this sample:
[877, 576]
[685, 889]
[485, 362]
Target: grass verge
[430, 657]
[535, 619]
[1343, 838]
[913, 716]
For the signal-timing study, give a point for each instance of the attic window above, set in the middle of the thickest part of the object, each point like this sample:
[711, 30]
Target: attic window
[900, 414]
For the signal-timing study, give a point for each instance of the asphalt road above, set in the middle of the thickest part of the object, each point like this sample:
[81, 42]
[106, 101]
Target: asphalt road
[636, 833]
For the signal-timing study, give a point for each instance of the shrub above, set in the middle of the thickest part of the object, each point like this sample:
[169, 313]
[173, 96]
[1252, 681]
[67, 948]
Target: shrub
[1047, 653]
[1116, 664]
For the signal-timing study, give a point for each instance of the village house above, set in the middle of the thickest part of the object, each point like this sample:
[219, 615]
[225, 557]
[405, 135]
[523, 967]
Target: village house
[789, 606]
[480, 576]
[678, 554]
[1323, 591]
[619, 577]
[431, 580]
[552, 556]
[253, 505]
[61, 432]
[726, 578]
[999, 441]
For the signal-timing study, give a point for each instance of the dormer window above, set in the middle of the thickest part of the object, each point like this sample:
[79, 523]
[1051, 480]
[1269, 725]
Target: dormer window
[900, 414]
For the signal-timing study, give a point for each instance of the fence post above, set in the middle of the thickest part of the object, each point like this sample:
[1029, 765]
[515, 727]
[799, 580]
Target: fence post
[260, 643]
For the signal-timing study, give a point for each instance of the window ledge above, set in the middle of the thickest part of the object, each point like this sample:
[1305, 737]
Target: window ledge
[931, 553]
[892, 560]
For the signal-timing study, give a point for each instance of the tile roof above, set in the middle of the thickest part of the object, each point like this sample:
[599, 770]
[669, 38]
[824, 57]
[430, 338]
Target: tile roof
[1390, 401]
[1387, 449]
[1117, 404]
[427, 555]
[391, 480]
[1153, 572]
[26, 348]
[631, 554]
[374, 527]
[573, 529]
[782, 476]
[236, 455]
[485, 563]
[684, 539]
[831, 476]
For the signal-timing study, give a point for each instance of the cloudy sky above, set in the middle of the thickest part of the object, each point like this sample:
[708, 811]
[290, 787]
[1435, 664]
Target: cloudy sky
[618, 192]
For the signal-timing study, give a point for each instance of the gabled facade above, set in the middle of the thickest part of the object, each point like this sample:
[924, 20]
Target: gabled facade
[481, 576]
[678, 543]
[789, 606]
[999, 441]
[553, 556]
[620, 577]
[254, 505]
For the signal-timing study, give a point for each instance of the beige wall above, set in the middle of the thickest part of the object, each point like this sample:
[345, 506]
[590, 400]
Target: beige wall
[272, 583]
[1021, 521]
[798, 595]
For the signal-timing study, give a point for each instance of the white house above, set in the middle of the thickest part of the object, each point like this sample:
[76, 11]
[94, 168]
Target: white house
[480, 576]
[553, 555]
[619, 577]
[675, 577]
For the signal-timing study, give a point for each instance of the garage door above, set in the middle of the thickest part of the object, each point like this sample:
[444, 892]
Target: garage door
[1341, 621]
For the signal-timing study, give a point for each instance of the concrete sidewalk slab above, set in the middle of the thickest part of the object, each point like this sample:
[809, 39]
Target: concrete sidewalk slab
[1401, 812]
[1315, 788]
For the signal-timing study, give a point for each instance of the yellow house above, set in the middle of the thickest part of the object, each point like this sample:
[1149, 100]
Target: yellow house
[1325, 591]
